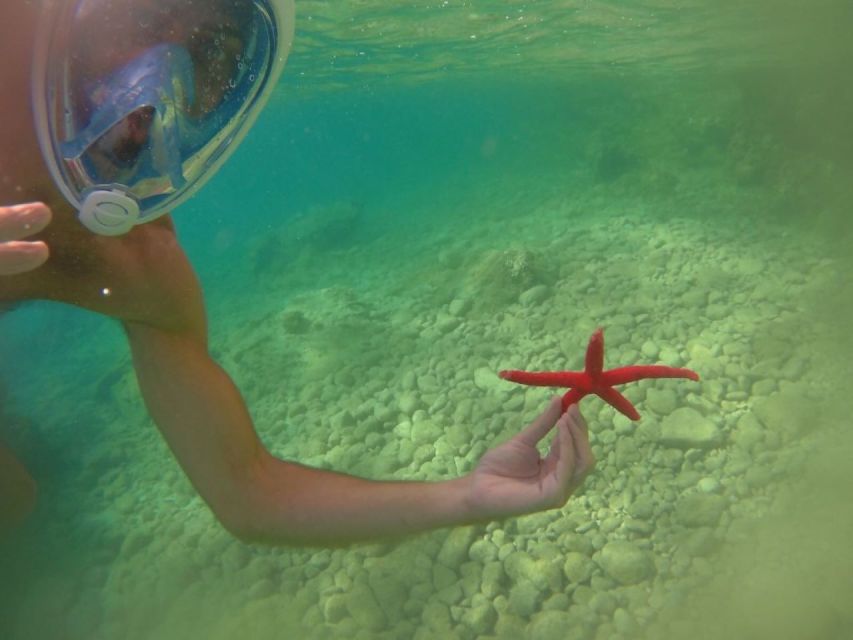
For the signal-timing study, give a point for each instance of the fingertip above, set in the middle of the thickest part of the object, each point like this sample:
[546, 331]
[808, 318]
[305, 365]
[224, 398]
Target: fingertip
[32, 255]
[39, 216]
[27, 257]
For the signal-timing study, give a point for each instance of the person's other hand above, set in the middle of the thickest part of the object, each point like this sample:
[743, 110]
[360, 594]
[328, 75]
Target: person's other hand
[513, 478]
[18, 222]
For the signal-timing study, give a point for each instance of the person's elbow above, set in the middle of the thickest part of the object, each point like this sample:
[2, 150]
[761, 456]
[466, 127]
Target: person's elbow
[253, 511]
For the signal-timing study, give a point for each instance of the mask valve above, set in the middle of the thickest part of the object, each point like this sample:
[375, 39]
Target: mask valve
[109, 213]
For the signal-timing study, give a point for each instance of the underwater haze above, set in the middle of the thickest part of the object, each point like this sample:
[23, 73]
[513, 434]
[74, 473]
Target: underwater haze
[441, 190]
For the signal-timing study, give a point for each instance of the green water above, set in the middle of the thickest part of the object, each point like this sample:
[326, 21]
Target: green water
[441, 191]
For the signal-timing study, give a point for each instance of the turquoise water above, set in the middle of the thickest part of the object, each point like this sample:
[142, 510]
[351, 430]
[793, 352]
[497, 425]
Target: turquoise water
[418, 209]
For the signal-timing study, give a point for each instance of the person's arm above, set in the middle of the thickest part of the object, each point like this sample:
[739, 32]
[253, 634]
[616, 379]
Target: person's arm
[261, 498]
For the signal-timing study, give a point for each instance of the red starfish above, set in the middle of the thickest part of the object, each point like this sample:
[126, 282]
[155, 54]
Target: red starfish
[593, 379]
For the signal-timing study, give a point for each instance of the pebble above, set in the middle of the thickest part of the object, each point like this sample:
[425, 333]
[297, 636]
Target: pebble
[459, 306]
[661, 401]
[709, 485]
[686, 428]
[625, 623]
[362, 606]
[577, 567]
[534, 295]
[650, 350]
[457, 544]
[699, 509]
[523, 599]
[487, 380]
[626, 563]
[480, 618]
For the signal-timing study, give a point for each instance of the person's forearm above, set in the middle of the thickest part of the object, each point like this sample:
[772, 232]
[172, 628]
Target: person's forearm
[302, 505]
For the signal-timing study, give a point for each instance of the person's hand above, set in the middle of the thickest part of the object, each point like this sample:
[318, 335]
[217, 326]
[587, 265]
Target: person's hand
[513, 478]
[18, 222]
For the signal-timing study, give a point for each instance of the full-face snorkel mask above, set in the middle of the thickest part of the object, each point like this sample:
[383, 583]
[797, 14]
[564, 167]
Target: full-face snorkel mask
[138, 102]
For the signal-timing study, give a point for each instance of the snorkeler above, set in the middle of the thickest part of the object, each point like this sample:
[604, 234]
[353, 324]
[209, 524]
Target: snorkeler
[117, 111]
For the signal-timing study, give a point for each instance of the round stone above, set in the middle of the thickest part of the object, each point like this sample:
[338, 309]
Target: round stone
[626, 562]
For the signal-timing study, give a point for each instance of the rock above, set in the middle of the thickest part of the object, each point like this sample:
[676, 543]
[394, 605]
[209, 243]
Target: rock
[262, 589]
[640, 527]
[622, 425]
[565, 625]
[549, 624]
[763, 387]
[509, 626]
[335, 608]
[577, 567]
[364, 609]
[443, 577]
[558, 602]
[425, 432]
[625, 623]
[603, 603]
[642, 508]
[483, 550]
[390, 590]
[670, 356]
[428, 383]
[409, 381]
[748, 432]
[626, 563]
[520, 566]
[571, 541]
[486, 379]
[436, 617]
[698, 542]
[709, 485]
[686, 428]
[534, 295]
[650, 350]
[699, 509]
[788, 411]
[480, 618]
[543, 574]
[661, 401]
[758, 476]
[492, 579]
[446, 323]
[459, 307]
[458, 435]
[235, 557]
[408, 402]
[524, 599]
[456, 546]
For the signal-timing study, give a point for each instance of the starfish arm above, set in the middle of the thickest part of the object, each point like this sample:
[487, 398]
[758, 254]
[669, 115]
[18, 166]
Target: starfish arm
[619, 402]
[623, 375]
[546, 378]
[572, 397]
[595, 354]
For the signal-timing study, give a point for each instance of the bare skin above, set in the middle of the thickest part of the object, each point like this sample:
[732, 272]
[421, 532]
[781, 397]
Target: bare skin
[143, 279]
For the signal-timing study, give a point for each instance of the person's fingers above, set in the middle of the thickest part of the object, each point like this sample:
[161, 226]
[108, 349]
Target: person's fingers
[17, 257]
[537, 429]
[23, 220]
[584, 460]
[566, 448]
[560, 463]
